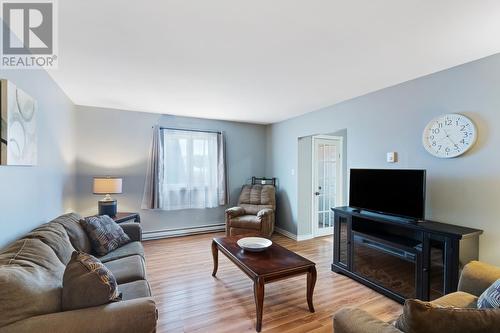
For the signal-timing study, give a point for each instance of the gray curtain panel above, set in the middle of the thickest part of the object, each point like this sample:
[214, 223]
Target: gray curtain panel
[222, 174]
[152, 198]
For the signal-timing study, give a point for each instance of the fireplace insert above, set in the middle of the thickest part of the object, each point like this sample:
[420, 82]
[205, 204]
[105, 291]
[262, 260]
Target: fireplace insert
[387, 264]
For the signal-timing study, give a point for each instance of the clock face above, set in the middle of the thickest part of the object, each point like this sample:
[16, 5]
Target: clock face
[449, 135]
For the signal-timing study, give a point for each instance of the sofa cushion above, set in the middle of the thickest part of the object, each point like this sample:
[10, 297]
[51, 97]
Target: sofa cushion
[129, 249]
[355, 320]
[425, 317]
[127, 269]
[75, 231]
[30, 280]
[457, 299]
[136, 289]
[246, 222]
[87, 282]
[55, 236]
[490, 298]
[104, 233]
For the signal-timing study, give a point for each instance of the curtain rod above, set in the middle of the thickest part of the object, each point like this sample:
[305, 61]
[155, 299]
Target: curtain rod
[189, 130]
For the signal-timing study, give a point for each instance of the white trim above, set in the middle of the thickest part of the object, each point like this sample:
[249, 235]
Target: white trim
[285, 233]
[327, 137]
[148, 235]
[293, 236]
[304, 237]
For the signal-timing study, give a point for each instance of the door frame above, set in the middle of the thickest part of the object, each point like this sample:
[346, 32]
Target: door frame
[339, 198]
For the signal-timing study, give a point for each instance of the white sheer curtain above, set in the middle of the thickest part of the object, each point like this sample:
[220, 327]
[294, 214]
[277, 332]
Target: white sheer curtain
[190, 173]
[187, 169]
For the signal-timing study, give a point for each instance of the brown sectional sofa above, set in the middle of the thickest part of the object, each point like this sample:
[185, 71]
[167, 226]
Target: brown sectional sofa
[476, 277]
[31, 271]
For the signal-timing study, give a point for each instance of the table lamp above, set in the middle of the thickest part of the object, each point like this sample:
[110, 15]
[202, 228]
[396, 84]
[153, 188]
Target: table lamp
[107, 186]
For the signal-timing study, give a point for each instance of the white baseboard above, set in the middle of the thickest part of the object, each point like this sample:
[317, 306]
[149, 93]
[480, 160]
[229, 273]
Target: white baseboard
[148, 235]
[293, 236]
[305, 237]
[285, 233]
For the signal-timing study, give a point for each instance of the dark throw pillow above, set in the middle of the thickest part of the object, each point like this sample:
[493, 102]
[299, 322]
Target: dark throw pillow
[87, 282]
[490, 298]
[425, 317]
[104, 233]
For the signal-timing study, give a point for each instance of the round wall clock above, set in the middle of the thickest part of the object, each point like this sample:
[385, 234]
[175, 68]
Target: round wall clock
[449, 135]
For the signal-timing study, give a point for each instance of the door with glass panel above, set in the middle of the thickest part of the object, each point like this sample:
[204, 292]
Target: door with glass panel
[327, 182]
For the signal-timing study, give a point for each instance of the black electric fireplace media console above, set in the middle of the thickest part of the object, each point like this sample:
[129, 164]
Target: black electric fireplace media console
[401, 258]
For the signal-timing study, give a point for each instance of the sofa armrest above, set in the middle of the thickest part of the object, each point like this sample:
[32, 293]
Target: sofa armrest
[133, 230]
[137, 315]
[352, 320]
[235, 211]
[477, 276]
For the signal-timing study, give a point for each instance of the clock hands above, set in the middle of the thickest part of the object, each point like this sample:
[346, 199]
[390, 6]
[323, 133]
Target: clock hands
[449, 138]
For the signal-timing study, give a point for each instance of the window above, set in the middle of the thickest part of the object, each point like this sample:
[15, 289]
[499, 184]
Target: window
[190, 169]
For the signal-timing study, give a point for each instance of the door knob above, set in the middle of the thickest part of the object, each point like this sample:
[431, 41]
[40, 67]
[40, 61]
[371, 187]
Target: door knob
[317, 193]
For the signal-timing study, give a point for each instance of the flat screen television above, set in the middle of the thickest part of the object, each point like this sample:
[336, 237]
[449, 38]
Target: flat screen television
[389, 191]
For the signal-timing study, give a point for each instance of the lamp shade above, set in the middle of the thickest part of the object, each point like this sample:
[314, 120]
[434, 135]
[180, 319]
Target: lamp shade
[107, 185]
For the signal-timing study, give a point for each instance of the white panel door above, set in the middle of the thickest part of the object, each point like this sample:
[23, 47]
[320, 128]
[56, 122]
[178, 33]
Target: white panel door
[327, 182]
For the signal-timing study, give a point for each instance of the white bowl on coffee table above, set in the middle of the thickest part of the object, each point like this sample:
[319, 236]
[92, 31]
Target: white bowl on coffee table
[254, 244]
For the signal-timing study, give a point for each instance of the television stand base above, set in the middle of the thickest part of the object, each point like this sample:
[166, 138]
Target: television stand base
[401, 259]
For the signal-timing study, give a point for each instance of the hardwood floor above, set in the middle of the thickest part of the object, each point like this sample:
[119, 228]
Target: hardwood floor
[189, 299]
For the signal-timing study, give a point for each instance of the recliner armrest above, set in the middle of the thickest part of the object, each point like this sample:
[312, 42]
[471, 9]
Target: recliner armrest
[235, 211]
[265, 212]
[352, 320]
[133, 230]
[137, 315]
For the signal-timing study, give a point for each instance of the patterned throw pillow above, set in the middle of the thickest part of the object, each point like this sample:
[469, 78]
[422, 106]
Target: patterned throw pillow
[490, 298]
[104, 233]
[87, 282]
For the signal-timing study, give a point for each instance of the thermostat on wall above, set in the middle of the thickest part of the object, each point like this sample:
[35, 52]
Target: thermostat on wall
[392, 157]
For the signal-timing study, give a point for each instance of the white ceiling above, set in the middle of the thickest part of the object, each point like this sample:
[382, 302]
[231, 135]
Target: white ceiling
[260, 61]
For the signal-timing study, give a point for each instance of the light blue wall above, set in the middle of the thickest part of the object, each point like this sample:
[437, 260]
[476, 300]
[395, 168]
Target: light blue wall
[116, 142]
[30, 196]
[463, 191]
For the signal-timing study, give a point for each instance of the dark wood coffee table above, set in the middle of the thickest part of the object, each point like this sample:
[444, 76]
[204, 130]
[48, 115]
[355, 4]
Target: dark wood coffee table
[275, 263]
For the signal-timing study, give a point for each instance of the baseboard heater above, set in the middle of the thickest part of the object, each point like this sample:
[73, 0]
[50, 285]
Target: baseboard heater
[167, 233]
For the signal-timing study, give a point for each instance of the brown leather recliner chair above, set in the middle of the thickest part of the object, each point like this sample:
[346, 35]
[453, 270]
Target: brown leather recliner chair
[254, 214]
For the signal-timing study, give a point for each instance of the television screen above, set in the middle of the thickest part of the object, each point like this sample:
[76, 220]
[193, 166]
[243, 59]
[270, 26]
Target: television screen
[389, 191]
